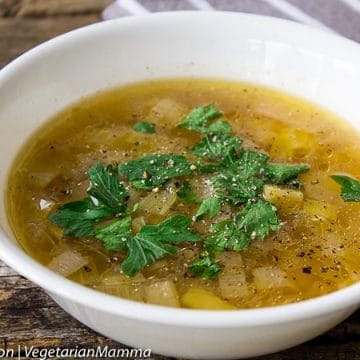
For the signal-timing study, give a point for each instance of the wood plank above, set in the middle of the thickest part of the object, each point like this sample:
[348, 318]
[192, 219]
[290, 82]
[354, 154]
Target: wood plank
[42, 8]
[19, 35]
[9, 7]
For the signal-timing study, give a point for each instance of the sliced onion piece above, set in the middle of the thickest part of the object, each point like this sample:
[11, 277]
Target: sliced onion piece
[269, 277]
[169, 111]
[162, 293]
[159, 203]
[120, 285]
[233, 286]
[67, 263]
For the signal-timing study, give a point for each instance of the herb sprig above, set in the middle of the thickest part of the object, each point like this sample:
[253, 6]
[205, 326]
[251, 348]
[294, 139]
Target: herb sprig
[237, 175]
[153, 171]
[107, 196]
[350, 187]
[151, 243]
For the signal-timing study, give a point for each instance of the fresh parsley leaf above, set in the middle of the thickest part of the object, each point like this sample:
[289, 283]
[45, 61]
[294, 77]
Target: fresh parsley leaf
[142, 251]
[199, 117]
[284, 173]
[115, 235]
[207, 168]
[219, 127]
[350, 188]
[152, 171]
[217, 147]
[148, 245]
[173, 229]
[236, 188]
[106, 188]
[254, 221]
[107, 196]
[226, 235]
[258, 219]
[250, 163]
[186, 194]
[78, 218]
[209, 206]
[206, 268]
[144, 127]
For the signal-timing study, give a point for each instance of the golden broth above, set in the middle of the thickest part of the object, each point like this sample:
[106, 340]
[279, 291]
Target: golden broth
[316, 251]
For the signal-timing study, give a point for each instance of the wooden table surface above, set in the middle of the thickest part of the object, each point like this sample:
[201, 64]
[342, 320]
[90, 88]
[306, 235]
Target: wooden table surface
[27, 315]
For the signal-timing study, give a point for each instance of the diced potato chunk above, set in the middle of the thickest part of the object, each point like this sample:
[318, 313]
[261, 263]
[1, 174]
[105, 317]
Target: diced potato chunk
[204, 300]
[159, 203]
[233, 286]
[320, 209]
[291, 144]
[286, 200]
[162, 293]
[67, 263]
[269, 277]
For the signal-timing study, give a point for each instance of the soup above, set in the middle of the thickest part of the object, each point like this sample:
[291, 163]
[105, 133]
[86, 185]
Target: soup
[203, 194]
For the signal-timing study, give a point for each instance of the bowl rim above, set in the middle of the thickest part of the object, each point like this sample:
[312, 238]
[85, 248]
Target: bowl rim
[57, 285]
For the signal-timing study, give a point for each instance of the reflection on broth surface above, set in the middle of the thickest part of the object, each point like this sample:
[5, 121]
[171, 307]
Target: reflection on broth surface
[313, 250]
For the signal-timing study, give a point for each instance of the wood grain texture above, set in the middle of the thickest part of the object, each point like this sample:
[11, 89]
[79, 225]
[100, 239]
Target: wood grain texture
[60, 7]
[27, 315]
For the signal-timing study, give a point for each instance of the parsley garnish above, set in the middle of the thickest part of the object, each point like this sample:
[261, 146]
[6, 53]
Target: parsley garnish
[258, 219]
[250, 163]
[151, 243]
[217, 147]
[254, 221]
[115, 235]
[236, 188]
[143, 252]
[199, 118]
[106, 188]
[350, 188]
[186, 194]
[152, 171]
[174, 229]
[78, 218]
[220, 127]
[284, 173]
[144, 127]
[107, 196]
[209, 206]
[238, 178]
[224, 235]
[205, 267]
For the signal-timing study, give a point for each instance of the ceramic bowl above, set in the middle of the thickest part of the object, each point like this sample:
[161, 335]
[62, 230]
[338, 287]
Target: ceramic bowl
[302, 61]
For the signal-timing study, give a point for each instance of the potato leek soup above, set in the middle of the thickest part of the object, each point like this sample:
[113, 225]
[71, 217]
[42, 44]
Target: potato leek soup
[202, 194]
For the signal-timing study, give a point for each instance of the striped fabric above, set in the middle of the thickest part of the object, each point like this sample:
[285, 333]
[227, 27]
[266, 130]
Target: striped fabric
[340, 16]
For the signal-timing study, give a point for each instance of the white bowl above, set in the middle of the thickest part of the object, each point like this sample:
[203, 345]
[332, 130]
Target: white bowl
[284, 55]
